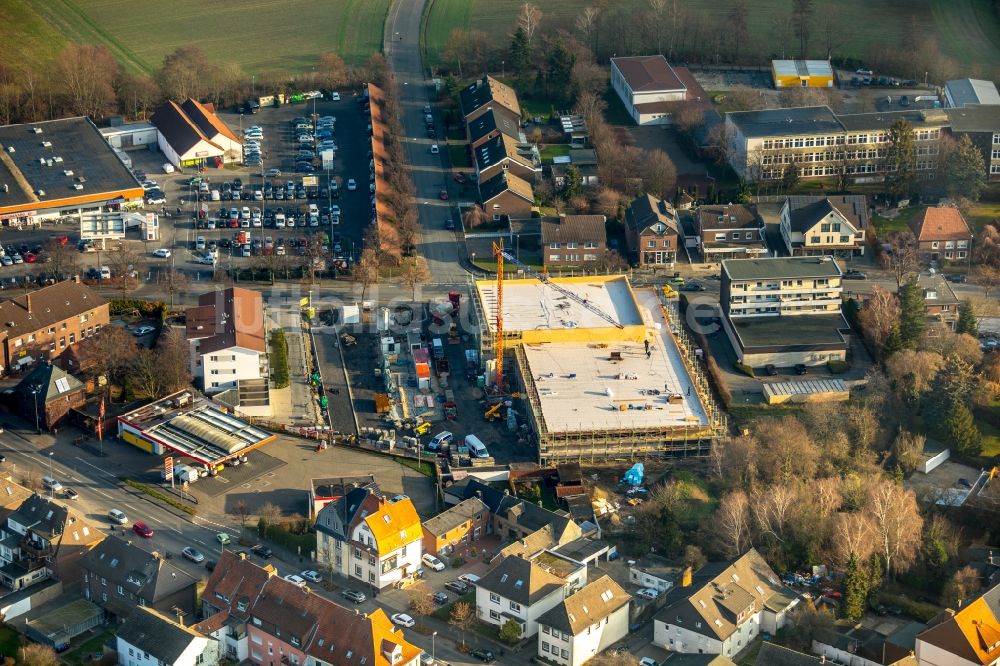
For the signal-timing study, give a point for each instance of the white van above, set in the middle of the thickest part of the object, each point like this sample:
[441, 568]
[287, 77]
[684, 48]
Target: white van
[476, 447]
[117, 516]
[51, 484]
[216, 196]
[440, 440]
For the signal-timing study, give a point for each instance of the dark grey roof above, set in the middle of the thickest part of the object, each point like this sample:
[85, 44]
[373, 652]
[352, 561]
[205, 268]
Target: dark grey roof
[491, 122]
[162, 638]
[47, 383]
[455, 516]
[583, 156]
[854, 207]
[972, 92]
[533, 517]
[486, 90]
[786, 122]
[141, 573]
[42, 516]
[82, 150]
[780, 267]
[177, 128]
[573, 229]
[347, 507]
[495, 500]
[587, 606]
[646, 210]
[678, 659]
[520, 580]
[885, 119]
[975, 119]
[582, 549]
[731, 216]
[776, 655]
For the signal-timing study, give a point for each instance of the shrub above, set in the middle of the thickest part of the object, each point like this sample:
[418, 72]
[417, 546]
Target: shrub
[279, 358]
[745, 369]
[837, 367]
[126, 306]
[510, 632]
[155, 494]
[719, 380]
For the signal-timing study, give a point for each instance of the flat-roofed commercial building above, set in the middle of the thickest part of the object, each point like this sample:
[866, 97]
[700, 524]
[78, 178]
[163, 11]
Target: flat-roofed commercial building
[784, 311]
[802, 73]
[58, 169]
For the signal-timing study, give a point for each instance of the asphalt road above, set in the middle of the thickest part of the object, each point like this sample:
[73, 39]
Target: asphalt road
[430, 171]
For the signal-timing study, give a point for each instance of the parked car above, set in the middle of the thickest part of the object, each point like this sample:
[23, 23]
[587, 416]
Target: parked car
[118, 517]
[647, 593]
[855, 275]
[142, 529]
[484, 655]
[68, 492]
[145, 329]
[296, 580]
[402, 619]
[262, 551]
[801, 369]
[311, 576]
[470, 579]
[355, 596]
[192, 554]
[432, 562]
[771, 370]
[440, 598]
[648, 661]
[457, 586]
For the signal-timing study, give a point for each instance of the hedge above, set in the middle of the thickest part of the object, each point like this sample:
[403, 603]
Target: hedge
[156, 494]
[126, 306]
[279, 359]
[745, 369]
[279, 534]
[837, 367]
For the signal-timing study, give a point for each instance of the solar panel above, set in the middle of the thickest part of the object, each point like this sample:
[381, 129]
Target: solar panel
[62, 385]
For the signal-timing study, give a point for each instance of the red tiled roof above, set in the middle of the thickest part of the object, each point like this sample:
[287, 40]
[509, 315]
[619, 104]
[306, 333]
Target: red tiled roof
[941, 223]
[233, 317]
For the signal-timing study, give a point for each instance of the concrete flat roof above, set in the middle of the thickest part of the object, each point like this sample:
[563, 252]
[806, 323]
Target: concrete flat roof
[792, 331]
[572, 380]
[532, 305]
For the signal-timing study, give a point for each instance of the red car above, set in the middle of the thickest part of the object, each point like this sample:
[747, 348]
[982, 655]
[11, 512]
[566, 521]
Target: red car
[30, 258]
[234, 224]
[143, 530]
[444, 195]
[459, 178]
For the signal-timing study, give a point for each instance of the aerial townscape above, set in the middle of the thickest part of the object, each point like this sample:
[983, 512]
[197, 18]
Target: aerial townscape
[660, 333]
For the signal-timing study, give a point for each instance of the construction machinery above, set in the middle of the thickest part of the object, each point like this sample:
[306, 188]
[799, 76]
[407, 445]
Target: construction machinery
[498, 343]
[493, 413]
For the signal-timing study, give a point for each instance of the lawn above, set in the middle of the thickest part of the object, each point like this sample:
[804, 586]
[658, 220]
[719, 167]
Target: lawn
[27, 36]
[284, 36]
[967, 30]
[10, 640]
[991, 439]
[901, 222]
[551, 150]
[91, 645]
[458, 155]
[983, 213]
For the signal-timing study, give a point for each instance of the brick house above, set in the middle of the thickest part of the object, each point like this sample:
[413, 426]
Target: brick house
[42, 324]
[49, 392]
[503, 153]
[827, 225]
[459, 525]
[651, 231]
[573, 240]
[488, 94]
[942, 233]
[507, 195]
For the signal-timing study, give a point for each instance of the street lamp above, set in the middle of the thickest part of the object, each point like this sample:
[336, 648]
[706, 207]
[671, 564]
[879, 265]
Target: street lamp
[432, 646]
[51, 453]
[34, 396]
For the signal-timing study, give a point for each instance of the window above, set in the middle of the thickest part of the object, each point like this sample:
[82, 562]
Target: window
[554, 246]
[736, 235]
[121, 591]
[935, 245]
[516, 607]
[553, 257]
[571, 246]
[545, 630]
[651, 244]
[749, 235]
[565, 654]
[494, 597]
[545, 645]
[494, 615]
[357, 570]
[996, 137]
[72, 338]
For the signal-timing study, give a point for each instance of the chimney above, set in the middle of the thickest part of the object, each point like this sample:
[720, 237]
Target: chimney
[27, 298]
[686, 577]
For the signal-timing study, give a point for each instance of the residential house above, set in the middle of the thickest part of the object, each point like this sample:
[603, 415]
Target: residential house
[675, 659]
[584, 160]
[940, 302]
[507, 195]
[651, 231]
[505, 154]
[44, 539]
[490, 126]
[49, 393]
[726, 606]
[518, 589]
[273, 622]
[859, 645]
[647, 85]
[824, 225]
[760, 296]
[190, 134]
[822, 144]
[227, 338]
[40, 325]
[942, 233]
[585, 623]
[366, 537]
[119, 577]
[457, 526]
[230, 592]
[654, 572]
[730, 231]
[982, 125]
[802, 73]
[149, 638]
[959, 93]
[486, 95]
[573, 240]
[969, 636]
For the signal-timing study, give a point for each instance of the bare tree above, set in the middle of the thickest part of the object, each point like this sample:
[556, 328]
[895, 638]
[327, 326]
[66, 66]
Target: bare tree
[331, 71]
[111, 354]
[854, 535]
[415, 272]
[660, 174]
[834, 35]
[144, 374]
[173, 360]
[421, 600]
[365, 270]
[902, 258]
[898, 524]
[528, 18]
[122, 261]
[36, 654]
[186, 72]
[86, 72]
[462, 616]
[675, 16]
[173, 281]
[269, 514]
[739, 28]
[802, 11]
[241, 512]
[771, 507]
[786, 450]
[963, 584]
[63, 259]
[907, 449]
[987, 277]
[733, 521]
[473, 217]
[879, 315]
[586, 23]
[657, 9]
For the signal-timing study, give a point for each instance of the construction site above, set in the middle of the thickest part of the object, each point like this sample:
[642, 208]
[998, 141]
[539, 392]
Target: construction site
[601, 371]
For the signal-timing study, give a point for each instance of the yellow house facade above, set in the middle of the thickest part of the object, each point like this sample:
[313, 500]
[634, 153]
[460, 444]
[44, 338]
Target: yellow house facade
[802, 73]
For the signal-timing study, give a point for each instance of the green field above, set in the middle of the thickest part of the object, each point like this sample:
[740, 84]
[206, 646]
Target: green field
[28, 37]
[966, 29]
[258, 35]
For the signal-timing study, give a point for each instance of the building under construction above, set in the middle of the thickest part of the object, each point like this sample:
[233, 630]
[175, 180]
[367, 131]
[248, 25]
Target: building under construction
[591, 390]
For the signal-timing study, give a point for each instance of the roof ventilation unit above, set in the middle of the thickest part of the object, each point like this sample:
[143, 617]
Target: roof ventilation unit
[46, 144]
[10, 149]
[68, 173]
[36, 130]
[57, 159]
[77, 186]
[40, 193]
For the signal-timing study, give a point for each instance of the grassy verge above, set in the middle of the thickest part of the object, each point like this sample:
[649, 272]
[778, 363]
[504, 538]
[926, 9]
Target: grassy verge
[157, 495]
[991, 438]
[424, 467]
[458, 156]
[92, 645]
[444, 612]
[983, 213]
[279, 359]
[10, 640]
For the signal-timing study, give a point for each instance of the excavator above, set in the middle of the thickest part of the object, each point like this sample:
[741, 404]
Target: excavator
[493, 413]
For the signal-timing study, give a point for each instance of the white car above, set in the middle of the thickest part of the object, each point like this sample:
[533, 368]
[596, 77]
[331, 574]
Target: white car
[143, 330]
[296, 580]
[648, 661]
[352, 184]
[117, 516]
[432, 562]
[471, 579]
[223, 538]
[311, 576]
[647, 593]
[434, 149]
[335, 209]
[403, 620]
[335, 96]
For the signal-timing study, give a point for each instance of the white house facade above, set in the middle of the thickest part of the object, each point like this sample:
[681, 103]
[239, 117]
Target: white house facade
[517, 589]
[646, 85]
[584, 624]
